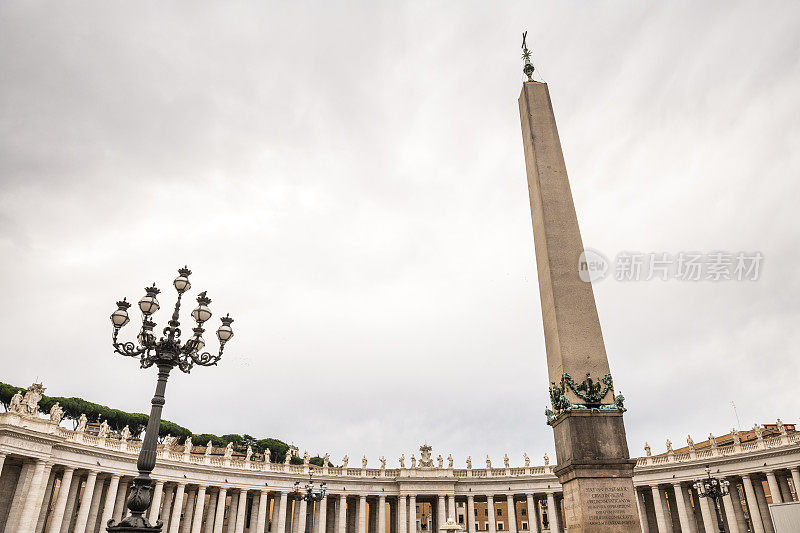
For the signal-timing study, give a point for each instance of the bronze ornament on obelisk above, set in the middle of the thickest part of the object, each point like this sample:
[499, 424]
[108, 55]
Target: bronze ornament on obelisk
[594, 466]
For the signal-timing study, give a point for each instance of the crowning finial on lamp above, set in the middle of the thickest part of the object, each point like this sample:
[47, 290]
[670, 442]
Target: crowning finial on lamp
[526, 55]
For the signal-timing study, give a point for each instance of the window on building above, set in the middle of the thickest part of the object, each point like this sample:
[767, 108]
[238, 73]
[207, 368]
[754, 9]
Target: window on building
[524, 525]
[476, 513]
[524, 512]
[461, 519]
[486, 512]
[499, 512]
[500, 526]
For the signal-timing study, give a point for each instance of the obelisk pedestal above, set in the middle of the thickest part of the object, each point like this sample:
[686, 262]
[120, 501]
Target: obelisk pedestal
[594, 466]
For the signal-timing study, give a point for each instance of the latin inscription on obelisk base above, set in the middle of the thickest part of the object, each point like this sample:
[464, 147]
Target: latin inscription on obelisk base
[594, 466]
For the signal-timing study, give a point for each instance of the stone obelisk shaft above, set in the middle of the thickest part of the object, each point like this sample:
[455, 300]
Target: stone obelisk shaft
[573, 338]
[593, 462]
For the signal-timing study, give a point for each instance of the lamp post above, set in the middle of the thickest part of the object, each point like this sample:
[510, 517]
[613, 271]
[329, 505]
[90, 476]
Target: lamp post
[715, 489]
[309, 496]
[166, 353]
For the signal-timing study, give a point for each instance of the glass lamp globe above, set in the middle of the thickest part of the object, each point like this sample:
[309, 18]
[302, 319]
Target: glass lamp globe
[120, 317]
[199, 343]
[202, 313]
[225, 332]
[181, 283]
[149, 304]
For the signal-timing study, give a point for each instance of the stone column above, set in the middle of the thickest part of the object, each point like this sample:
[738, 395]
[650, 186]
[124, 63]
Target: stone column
[72, 501]
[97, 498]
[752, 504]
[680, 501]
[786, 491]
[86, 502]
[197, 518]
[709, 520]
[737, 507]
[730, 514]
[490, 511]
[774, 490]
[412, 514]
[341, 514]
[211, 511]
[219, 515]
[657, 503]
[241, 511]
[451, 510]
[552, 512]
[381, 514]
[640, 507]
[512, 514]
[362, 514]
[111, 499]
[300, 513]
[34, 496]
[796, 481]
[261, 517]
[233, 512]
[20, 493]
[322, 515]
[155, 505]
[761, 498]
[177, 508]
[402, 516]
[441, 519]
[166, 510]
[61, 501]
[44, 505]
[340, 525]
[188, 512]
[282, 514]
[294, 512]
[2, 461]
[471, 513]
[667, 513]
[120, 509]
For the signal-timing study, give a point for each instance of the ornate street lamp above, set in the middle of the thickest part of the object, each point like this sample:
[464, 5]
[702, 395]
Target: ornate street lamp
[166, 353]
[309, 495]
[715, 489]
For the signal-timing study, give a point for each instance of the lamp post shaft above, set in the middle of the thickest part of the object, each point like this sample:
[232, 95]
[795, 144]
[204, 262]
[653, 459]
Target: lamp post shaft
[147, 456]
[720, 523]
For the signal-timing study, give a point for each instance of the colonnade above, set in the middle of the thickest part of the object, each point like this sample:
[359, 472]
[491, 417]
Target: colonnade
[675, 506]
[53, 482]
[52, 498]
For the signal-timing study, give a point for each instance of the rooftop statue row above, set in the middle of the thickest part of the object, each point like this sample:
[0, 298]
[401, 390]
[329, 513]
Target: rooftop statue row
[735, 438]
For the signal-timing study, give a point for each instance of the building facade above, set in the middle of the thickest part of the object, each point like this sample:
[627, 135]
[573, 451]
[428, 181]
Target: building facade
[55, 480]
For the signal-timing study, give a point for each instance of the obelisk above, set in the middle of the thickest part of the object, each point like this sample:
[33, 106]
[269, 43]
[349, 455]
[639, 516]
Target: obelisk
[594, 466]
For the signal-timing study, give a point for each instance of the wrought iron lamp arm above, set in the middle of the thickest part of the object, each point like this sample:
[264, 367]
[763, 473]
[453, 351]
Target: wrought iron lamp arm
[128, 349]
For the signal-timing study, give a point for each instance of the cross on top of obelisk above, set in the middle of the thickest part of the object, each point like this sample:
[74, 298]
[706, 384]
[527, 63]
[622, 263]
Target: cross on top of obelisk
[526, 55]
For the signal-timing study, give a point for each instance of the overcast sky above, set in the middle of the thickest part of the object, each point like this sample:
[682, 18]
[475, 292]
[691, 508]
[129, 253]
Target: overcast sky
[347, 180]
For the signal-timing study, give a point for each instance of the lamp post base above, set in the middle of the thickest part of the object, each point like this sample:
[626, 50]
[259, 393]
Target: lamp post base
[144, 528]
